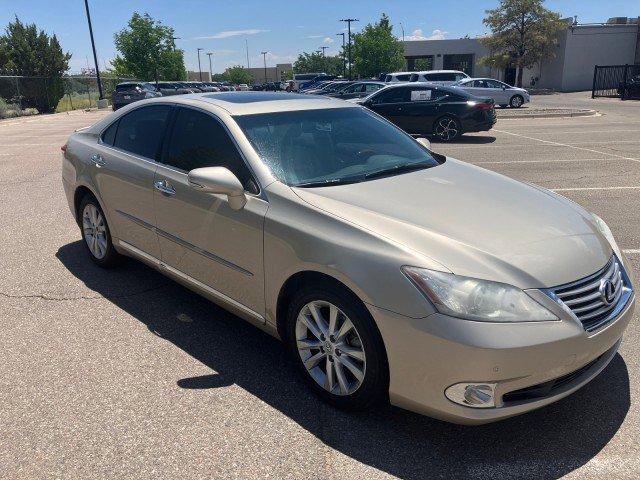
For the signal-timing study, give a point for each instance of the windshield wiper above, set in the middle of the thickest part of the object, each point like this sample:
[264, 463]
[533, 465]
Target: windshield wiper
[401, 168]
[328, 183]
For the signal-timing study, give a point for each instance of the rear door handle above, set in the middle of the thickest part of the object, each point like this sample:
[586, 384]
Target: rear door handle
[97, 160]
[162, 186]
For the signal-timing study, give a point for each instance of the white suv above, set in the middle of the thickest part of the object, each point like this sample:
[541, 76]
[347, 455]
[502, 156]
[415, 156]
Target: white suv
[396, 77]
[438, 77]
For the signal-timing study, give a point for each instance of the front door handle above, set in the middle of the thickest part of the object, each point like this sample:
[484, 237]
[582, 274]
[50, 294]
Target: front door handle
[97, 160]
[162, 186]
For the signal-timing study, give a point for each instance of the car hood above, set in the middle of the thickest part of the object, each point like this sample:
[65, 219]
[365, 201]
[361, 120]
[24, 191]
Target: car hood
[474, 222]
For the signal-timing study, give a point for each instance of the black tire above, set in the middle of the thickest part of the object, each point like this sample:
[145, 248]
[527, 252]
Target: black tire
[503, 106]
[447, 128]
[375, 385]
[516, 101]
[110, 257]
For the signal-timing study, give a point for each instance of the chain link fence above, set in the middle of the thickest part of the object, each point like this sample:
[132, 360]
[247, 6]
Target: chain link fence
[31, 95]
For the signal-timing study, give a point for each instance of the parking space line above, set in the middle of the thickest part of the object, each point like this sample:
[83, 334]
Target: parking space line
[586, 131]
[556, 160]
[577, 189]
[569, 146]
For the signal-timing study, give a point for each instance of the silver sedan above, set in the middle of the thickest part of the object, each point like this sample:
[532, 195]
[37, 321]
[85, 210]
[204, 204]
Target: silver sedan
[391, 272]
[500, 92]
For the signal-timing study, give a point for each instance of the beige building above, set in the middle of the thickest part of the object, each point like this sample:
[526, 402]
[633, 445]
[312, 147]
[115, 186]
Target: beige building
[282, 71]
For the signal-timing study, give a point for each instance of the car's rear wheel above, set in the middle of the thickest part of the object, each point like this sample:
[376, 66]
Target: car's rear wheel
[337, 347]
[447, 129]
[95, 232]
[516, 101]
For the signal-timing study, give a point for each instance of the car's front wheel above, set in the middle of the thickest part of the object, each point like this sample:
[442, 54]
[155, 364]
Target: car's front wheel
[337, 347]
[516, 101]
[447, 129]
[95, 232]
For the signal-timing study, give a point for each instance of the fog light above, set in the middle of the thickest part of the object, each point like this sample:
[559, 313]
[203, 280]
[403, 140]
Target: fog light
[475, 395]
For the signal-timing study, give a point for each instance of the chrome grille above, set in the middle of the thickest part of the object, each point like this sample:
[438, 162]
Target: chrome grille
[598, 298]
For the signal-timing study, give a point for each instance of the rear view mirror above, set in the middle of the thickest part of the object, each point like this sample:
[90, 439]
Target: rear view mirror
[219, 180]
[424, 142]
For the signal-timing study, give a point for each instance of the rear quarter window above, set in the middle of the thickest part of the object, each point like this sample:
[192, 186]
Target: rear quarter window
[109, 135]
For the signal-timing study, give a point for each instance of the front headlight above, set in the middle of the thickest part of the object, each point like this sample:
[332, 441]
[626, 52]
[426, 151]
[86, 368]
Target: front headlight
[476, 299]
[606, 232]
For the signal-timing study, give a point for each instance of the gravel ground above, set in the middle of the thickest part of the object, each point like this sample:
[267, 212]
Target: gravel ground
[125, 374]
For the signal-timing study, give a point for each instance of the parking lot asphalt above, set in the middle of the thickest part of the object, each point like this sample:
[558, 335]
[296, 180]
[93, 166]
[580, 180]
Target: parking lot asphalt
[126, 374]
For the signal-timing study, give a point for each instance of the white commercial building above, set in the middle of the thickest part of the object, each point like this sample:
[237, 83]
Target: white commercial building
[579, 48]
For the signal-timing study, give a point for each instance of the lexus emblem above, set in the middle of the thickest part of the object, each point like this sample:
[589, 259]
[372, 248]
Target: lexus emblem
[607, 291]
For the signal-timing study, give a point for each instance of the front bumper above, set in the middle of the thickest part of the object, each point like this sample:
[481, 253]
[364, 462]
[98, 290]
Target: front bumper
[428, 355]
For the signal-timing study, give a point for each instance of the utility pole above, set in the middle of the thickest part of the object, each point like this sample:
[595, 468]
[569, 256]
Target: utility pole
[93, 46]
[402, 28]
[264, 57]
[173, 42]
[348, 21]
[210, 69]
[199, 68]
[344, 58]
[246, 45]
[323, 49]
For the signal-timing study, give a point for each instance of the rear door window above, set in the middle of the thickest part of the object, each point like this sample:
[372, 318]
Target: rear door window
[141, 131]
[404, 77]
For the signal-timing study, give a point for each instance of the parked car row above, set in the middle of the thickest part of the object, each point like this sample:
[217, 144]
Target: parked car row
[419, 108]
[502, 94]
[129, 92]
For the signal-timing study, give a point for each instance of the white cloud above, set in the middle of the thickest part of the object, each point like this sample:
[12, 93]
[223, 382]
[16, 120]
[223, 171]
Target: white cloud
[417, 34]
[313, 36]
[231, 33]
[328, 40]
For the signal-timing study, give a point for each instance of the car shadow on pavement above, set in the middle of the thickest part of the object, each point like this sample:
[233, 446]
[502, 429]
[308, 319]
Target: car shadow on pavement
[547, 443]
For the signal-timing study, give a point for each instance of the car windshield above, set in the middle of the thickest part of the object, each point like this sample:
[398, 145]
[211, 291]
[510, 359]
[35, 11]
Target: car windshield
[322, 147]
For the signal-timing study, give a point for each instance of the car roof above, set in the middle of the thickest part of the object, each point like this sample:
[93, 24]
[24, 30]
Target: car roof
[450, 89]
[422, 72]
[248, 103]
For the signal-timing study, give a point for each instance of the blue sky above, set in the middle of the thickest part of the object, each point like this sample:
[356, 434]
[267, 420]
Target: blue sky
[284, 28]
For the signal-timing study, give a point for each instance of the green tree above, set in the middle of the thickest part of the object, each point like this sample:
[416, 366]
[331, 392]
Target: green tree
[237, 75]
[147, 51]
[26, 51]
[316, 62]
[524, 32]
[376, 50]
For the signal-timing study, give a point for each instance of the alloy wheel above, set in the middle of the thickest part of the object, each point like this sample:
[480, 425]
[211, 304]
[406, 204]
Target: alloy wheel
[330, 348]
[95, 231]
[516, 102]
[447, 129]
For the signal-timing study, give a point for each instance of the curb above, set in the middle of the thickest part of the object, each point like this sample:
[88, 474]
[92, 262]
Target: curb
[579, 113]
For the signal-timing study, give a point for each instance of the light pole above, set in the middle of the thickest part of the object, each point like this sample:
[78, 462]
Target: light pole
[210, 69]
[349, 20]
[246, 46]
[173, 42]
[323, 49]
[402, 29]
[344, 58]
[199, 69]
[93, 46]
[264, 57]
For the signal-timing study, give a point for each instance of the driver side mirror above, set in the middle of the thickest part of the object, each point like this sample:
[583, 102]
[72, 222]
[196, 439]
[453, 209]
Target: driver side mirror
[219, 180]
[424, 142]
